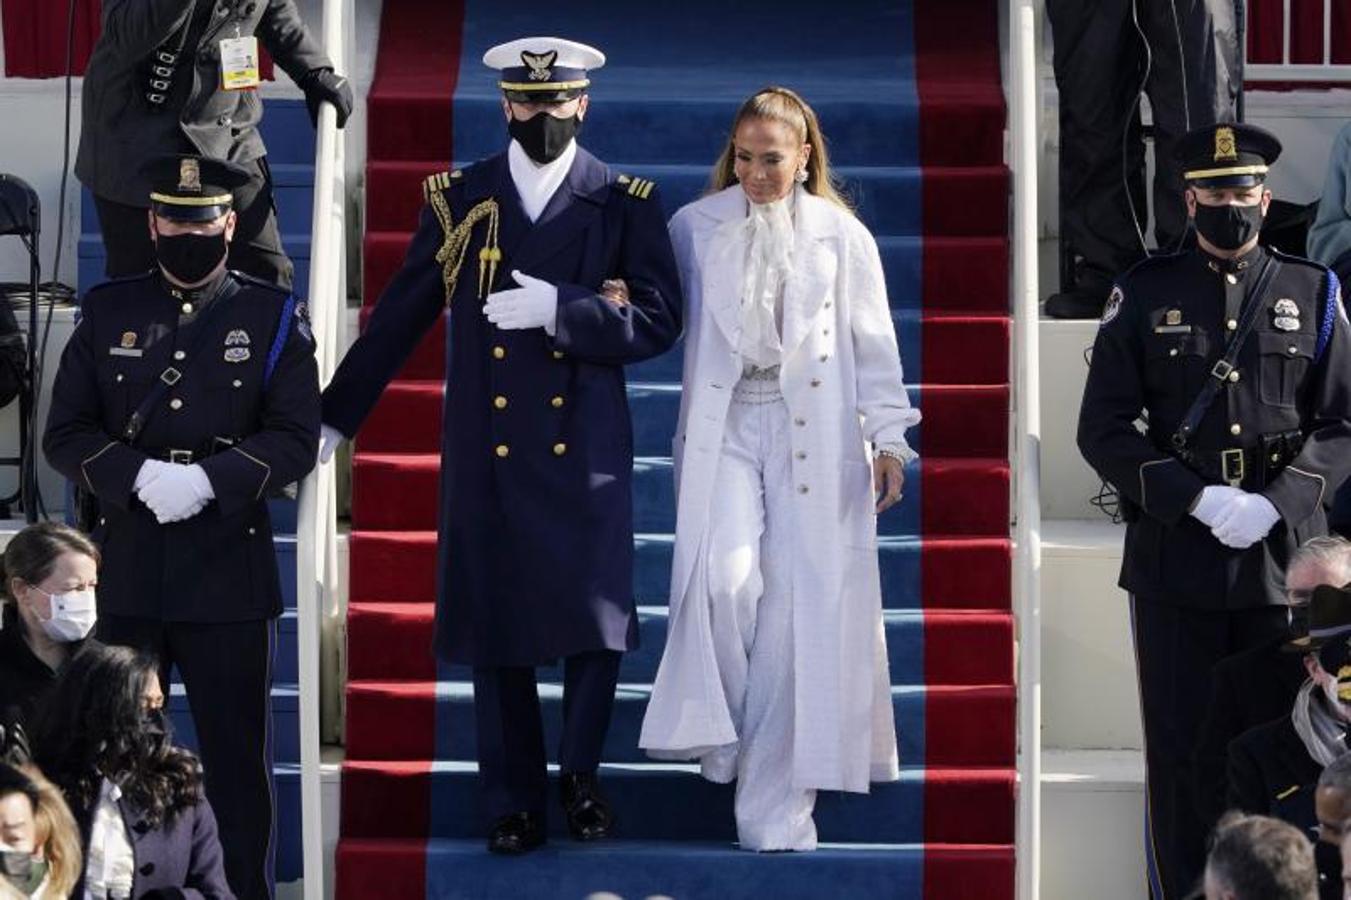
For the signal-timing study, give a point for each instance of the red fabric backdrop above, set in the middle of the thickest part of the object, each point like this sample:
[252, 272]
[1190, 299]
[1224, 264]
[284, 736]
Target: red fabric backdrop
[35, 37]
[1265, 33]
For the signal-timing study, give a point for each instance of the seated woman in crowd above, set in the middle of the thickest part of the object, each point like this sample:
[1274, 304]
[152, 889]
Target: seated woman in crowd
[149, 831]
[39, 844]
[47, 578]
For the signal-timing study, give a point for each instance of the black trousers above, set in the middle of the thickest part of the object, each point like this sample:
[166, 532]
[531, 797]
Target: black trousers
[1194, 80]
[511, 756]
[1175, 650]
[256, 249]
[227, 671]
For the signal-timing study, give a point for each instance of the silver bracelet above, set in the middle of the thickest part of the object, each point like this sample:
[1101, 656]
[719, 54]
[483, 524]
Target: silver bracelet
[892, 450]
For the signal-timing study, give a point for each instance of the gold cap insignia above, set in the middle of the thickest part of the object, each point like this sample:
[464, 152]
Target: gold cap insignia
[540, 64]
[128, 339]
[1225, 148]
[189, 176]
[1173, 317]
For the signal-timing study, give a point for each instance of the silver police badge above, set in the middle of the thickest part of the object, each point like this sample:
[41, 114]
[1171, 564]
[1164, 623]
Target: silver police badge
[237, 338]
[1286, 307]
[1285, 323]
[237, 354]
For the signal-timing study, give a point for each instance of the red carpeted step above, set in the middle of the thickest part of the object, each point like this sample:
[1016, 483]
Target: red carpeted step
[407, 418]
[390, 640]
[428, 359]
[967, 573]
[373, 867]
[393, 566]
[964, 496]
[965, 349]
[395, 490]
[961, 274]
[968, 647]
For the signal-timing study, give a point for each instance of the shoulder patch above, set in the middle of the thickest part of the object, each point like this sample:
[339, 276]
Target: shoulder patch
[1113, 307]
[302, 315]
[440, 181]
[635, 187]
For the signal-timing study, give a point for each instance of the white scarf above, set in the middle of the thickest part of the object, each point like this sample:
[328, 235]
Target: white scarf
[1322, 733]
[767, 232]
[536, 184]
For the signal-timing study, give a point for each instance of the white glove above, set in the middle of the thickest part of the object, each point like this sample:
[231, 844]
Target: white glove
[149, 470]
[532, 305]
[1244, 521]
[1214, 498]
[329, 439]
[177, 492]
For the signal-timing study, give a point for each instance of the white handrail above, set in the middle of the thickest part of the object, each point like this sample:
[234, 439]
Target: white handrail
[316, 529]
[1027, 441]
[1285, 70]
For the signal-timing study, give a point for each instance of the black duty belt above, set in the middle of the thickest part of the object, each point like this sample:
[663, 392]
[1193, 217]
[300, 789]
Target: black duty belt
[1235, 465]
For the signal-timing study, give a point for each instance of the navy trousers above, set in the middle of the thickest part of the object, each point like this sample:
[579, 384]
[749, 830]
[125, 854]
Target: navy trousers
[511, 755]
[226, 669]
[1175, 650]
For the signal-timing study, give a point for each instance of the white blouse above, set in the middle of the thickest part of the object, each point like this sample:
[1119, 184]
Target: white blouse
[767, 234]
[111, 862]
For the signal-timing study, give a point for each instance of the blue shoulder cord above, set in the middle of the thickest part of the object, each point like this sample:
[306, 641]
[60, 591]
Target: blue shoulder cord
[279, 342]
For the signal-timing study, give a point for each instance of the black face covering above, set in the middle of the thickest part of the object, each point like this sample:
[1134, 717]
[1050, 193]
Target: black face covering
[191, 257]
[1228, 227]
[544, 137]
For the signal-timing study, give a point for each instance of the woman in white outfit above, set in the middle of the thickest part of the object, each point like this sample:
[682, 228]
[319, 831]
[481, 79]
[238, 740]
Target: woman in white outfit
[791, 439]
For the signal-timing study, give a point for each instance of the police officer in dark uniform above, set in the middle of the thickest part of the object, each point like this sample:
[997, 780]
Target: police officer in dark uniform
[184, 399]
[1272, 768]
[1240, 361]
[174, 76]
[536, 540]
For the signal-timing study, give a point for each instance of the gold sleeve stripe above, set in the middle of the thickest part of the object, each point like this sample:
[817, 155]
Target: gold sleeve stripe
[438, 182]
[647, 189]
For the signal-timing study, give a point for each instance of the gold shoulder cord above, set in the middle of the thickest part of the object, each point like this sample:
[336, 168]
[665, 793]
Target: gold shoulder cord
[456, 243]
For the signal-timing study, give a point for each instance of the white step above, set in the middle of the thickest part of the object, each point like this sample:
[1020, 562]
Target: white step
[1067, 482]
[1093, 825]
[1089, 695]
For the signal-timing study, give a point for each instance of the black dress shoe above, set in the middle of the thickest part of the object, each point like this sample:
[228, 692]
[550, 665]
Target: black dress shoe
[589, 815]
[516, 834]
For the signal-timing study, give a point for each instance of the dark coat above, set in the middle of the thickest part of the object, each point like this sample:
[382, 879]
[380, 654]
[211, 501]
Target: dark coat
[250, 436]
[1162, 333]
[536, 547]
[121, 129]
[1272, 774]
[24, 679]
[179, 860]
[1248, 689]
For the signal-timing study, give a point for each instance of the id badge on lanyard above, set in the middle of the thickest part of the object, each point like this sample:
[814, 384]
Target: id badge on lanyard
[239, 63]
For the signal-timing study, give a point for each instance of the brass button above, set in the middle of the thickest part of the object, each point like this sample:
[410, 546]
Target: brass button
[1172, 351]
[1231, 278]
[499, 353]
[799, 421]
[237, 383]
[556, 402]
[816, 382]
[187, 309]
[502, 451]
[179, 354]
[1232, 324]
[253, 530]
[558, 354]
[1233, 376]
[1293, 349]
[802, 489]
[500, 402]
[175, 403]
[1275, 457]
[1236, 429]
[119, 376]
[560, 449]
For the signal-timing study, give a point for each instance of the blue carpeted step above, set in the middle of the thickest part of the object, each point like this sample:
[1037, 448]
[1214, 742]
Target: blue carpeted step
[371, 705]
[671, 802]
[564, 870]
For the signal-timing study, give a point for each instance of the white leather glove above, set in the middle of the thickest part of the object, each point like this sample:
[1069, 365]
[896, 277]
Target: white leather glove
[177, 492]
[1244, 521]
[532, 305]
[329, 439]
[1214, 498]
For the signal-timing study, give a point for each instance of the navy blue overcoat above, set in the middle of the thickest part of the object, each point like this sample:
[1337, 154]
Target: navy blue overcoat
[535, 550]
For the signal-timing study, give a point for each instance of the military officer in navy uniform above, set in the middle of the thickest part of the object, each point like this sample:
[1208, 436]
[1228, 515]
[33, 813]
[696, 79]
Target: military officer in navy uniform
[1239, 359]
[183, 400]
[536, 543]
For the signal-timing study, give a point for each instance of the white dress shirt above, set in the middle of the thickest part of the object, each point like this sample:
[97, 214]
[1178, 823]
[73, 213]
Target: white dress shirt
[110, 862]
[536, 184]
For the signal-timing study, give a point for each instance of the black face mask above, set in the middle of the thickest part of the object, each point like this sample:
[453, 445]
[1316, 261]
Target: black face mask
[154, 722]
[1228, 227]
[191, 257]
[544, 137]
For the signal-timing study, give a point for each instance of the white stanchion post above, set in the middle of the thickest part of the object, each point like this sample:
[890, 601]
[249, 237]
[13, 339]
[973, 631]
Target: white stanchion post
[1027, 417]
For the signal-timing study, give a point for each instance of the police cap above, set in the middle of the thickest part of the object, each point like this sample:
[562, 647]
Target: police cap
[543, 69]
[1227, 154]
[193, 188]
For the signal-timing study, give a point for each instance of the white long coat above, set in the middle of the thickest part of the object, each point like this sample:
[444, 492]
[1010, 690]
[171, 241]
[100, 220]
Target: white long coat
[841, 380]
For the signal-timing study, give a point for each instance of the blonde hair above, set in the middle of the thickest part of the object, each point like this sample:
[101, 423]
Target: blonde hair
[56, 838]
[780, 104]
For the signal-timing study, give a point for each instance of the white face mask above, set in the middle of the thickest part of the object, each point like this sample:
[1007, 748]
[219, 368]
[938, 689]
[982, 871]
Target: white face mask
[73, 616]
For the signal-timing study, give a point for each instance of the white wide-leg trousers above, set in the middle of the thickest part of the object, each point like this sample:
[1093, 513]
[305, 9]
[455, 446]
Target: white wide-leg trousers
[749, 554]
